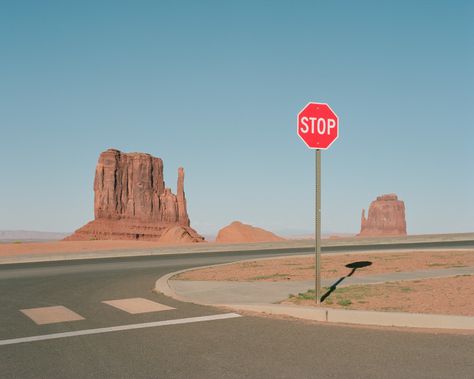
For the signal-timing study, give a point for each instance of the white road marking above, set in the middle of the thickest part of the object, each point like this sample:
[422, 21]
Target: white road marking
[179, 321]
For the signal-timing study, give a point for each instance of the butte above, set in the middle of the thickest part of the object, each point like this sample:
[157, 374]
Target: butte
[131, 202]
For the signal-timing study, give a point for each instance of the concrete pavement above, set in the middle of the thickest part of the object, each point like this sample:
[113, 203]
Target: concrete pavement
[233, 292]
[238, 347]
[262, 297]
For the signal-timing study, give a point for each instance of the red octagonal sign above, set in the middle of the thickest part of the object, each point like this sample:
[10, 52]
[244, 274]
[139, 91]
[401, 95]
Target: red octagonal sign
[318, 125]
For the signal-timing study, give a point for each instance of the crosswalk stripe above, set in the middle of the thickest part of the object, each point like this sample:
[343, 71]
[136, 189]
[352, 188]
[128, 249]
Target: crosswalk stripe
[51, 315]
[137, 305]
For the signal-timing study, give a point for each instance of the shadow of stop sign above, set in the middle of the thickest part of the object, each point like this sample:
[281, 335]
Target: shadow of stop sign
[318, 125]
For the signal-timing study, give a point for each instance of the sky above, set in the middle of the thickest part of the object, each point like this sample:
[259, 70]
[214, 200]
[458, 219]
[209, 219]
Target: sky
[215, 87]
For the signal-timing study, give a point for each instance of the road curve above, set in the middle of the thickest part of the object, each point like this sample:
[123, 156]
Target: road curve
[223, 348]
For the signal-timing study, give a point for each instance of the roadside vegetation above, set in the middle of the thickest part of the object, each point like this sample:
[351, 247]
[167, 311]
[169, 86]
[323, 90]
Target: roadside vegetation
[333, 266]
[452, 295]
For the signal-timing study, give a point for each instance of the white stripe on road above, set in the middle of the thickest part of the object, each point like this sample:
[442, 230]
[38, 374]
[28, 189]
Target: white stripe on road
[119, 328]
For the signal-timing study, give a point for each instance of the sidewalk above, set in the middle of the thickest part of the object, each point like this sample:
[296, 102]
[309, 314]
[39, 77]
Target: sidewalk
[219, 292]
[261, 297]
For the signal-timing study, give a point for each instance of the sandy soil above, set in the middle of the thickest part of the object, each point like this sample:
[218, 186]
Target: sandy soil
[11, 249]
[51, 247]
[333, 266]
[452, 296]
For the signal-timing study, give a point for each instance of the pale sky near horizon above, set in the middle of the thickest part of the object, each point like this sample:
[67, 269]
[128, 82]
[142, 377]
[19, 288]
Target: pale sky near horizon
[215, 87]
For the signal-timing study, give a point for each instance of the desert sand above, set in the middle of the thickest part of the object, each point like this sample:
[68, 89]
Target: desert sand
[12, 249]
[333, 266]
[52, 247]
[238, 232]
[451, 296]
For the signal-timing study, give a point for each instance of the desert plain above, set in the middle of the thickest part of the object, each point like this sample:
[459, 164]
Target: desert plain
[450, 295]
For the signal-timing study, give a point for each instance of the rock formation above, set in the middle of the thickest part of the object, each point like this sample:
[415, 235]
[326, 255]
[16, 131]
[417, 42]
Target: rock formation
[237, 232]
[386, 218]
[132, 202]
[177, 233]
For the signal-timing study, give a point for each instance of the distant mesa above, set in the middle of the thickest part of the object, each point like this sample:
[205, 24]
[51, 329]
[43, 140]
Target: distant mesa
[131, 202]
[29, 236]
[237, 232]
[386, 218]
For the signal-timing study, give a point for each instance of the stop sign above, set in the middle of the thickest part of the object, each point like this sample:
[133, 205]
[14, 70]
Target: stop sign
[318, 125]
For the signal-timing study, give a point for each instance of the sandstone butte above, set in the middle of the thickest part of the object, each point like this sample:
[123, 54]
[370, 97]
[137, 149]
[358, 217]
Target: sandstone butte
[386, 218]
[237, 232]
[131, 202]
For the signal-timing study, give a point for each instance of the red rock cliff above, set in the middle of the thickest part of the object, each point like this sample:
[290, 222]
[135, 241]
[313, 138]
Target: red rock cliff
[386, 217]
[132, 202]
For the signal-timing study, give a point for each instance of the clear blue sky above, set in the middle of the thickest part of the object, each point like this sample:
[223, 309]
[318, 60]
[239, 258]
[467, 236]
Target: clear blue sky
[216, 86]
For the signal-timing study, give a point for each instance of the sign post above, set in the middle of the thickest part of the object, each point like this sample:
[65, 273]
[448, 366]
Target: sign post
[318, 127]
[317, 226]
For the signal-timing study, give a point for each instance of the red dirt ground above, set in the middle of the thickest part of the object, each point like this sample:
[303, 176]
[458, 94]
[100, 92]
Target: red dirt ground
[452, 296]
[333, 266]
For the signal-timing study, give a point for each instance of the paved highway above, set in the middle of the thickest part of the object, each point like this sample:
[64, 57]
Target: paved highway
[172, 343]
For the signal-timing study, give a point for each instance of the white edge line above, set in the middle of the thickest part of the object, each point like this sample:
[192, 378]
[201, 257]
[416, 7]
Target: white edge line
[118, 328]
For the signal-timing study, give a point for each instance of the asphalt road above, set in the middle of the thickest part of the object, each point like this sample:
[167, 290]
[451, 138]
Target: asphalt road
[243, 347]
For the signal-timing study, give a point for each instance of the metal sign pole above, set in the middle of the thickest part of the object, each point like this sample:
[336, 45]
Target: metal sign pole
[317, 229]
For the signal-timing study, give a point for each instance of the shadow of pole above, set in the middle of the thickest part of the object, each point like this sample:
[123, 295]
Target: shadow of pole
[354, 266]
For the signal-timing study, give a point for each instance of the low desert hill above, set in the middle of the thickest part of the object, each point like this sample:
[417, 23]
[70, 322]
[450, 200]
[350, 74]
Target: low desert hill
[238, 232]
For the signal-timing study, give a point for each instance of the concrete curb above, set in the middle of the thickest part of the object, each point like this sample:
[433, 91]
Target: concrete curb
[397, 319]
[107, 254]
[162, 285]
[379, 245]
[36, 258]
[58, 257]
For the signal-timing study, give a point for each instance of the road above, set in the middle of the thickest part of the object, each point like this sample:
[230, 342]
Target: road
[237, 347]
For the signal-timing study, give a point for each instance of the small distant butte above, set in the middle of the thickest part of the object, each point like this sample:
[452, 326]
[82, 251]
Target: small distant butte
[386, 217]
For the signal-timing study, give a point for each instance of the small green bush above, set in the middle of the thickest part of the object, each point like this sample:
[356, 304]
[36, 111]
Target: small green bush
[344, 302]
